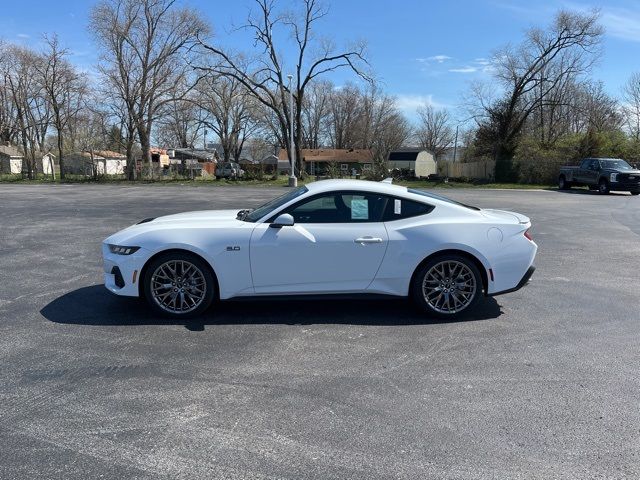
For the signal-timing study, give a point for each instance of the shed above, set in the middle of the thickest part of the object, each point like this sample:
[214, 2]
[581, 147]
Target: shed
[10, 159]
[104, 163]
[47, 163]
[420, 161]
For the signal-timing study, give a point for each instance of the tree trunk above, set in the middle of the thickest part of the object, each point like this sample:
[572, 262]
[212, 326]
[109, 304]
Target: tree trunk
[504, 169]
[60, 156]
[145, 144]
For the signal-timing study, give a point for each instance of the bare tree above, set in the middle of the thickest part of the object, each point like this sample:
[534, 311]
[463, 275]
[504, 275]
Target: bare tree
[266, 77]
[342, 121]
[180, 122]
[8, 118]
[315, 111]
[65, 90]
[383, 128]
[528, 73]
[229, 110]
[24, 90]
[435, 132]
[144, 43]
[631, 108]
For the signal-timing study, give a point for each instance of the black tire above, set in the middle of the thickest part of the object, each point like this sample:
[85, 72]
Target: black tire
[563, 184]
[603, 187]
[199, 288]
[427, 297]
[635, 192]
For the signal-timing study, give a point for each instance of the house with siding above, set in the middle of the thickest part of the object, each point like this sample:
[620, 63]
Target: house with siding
[318, 161]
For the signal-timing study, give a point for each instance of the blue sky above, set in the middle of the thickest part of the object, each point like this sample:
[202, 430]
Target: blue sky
[422, 51]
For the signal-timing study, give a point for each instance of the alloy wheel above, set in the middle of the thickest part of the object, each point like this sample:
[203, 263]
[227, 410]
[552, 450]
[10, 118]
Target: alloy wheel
[449, 287]
[178, 286]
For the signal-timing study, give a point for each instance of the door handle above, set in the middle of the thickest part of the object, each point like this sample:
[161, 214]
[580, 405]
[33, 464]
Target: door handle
[364, 240]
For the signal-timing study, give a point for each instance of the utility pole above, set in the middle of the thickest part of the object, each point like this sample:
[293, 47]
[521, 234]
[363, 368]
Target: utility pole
[455, 145]
[293, 181]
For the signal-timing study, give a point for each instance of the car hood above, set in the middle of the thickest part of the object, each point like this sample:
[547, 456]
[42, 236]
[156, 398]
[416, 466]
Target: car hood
[198, 219]
[627, 172]
[502, 215]
[208, 216]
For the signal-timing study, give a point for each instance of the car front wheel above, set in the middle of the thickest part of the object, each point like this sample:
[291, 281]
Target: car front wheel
[603, 187]
[446, 286]
[179, 285]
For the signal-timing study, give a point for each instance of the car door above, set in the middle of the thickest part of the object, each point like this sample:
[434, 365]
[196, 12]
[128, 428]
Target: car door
[336, 244]
[589, 172]
[583, 172]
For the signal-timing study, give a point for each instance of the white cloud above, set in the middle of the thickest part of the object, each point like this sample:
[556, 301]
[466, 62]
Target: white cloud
[464, 70]
[23, 35]
[434, 58]
[439, 58]
[622, 23]
[409, 103]
[619, 22]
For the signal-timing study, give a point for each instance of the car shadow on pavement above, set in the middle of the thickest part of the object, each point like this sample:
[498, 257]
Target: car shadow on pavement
[94, 305]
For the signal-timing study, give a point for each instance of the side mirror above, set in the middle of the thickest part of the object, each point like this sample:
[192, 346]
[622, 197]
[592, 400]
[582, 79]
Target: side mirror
[284, 220]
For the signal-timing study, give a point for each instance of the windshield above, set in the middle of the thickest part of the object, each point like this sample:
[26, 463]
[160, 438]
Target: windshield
[440, 197]
[616, 164]
[272, 205]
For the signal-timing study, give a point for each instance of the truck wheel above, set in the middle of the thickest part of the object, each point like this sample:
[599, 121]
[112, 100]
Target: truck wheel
[603, 187]
[563, 184]
[635, 192]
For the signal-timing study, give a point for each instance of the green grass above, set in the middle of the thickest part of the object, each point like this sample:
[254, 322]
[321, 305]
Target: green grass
[281, 181]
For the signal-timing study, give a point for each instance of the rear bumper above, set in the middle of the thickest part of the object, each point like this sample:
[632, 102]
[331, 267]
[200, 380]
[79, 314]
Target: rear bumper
[525, 280]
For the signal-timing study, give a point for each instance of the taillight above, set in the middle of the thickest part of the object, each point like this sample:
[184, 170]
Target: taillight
[528, 235]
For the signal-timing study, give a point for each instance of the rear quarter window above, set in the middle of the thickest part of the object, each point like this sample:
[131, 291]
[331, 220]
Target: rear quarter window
[399, 208]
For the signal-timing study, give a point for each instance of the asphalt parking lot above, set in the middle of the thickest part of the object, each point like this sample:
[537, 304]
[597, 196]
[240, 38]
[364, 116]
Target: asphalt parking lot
[543, 383]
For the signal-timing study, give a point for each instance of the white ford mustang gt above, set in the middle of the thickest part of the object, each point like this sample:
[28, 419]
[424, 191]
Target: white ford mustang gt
[329, 237]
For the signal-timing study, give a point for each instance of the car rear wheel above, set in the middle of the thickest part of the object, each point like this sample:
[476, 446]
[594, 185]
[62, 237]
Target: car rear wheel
[179, 285]
[446, 286]
[563, 184]
[603, 187]
[635, 192]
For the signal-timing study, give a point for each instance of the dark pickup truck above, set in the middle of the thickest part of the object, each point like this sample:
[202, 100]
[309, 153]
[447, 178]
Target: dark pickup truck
[602, 174]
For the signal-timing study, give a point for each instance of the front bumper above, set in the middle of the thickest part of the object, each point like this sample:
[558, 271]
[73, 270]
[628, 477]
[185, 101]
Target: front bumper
[625, 186]
[122, 272]
[524, 281]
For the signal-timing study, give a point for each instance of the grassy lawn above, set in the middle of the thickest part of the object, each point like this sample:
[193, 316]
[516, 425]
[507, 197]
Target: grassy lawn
[281, 181]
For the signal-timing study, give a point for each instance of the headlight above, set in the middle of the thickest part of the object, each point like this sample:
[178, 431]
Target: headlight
[614, 177]
[120, 250]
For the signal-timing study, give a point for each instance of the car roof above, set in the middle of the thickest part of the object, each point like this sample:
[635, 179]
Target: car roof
[364, 185]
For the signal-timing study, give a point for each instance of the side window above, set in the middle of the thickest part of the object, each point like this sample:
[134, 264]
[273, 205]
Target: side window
[339, 207]
[595, 165]
[585, 165]
[398, 208]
